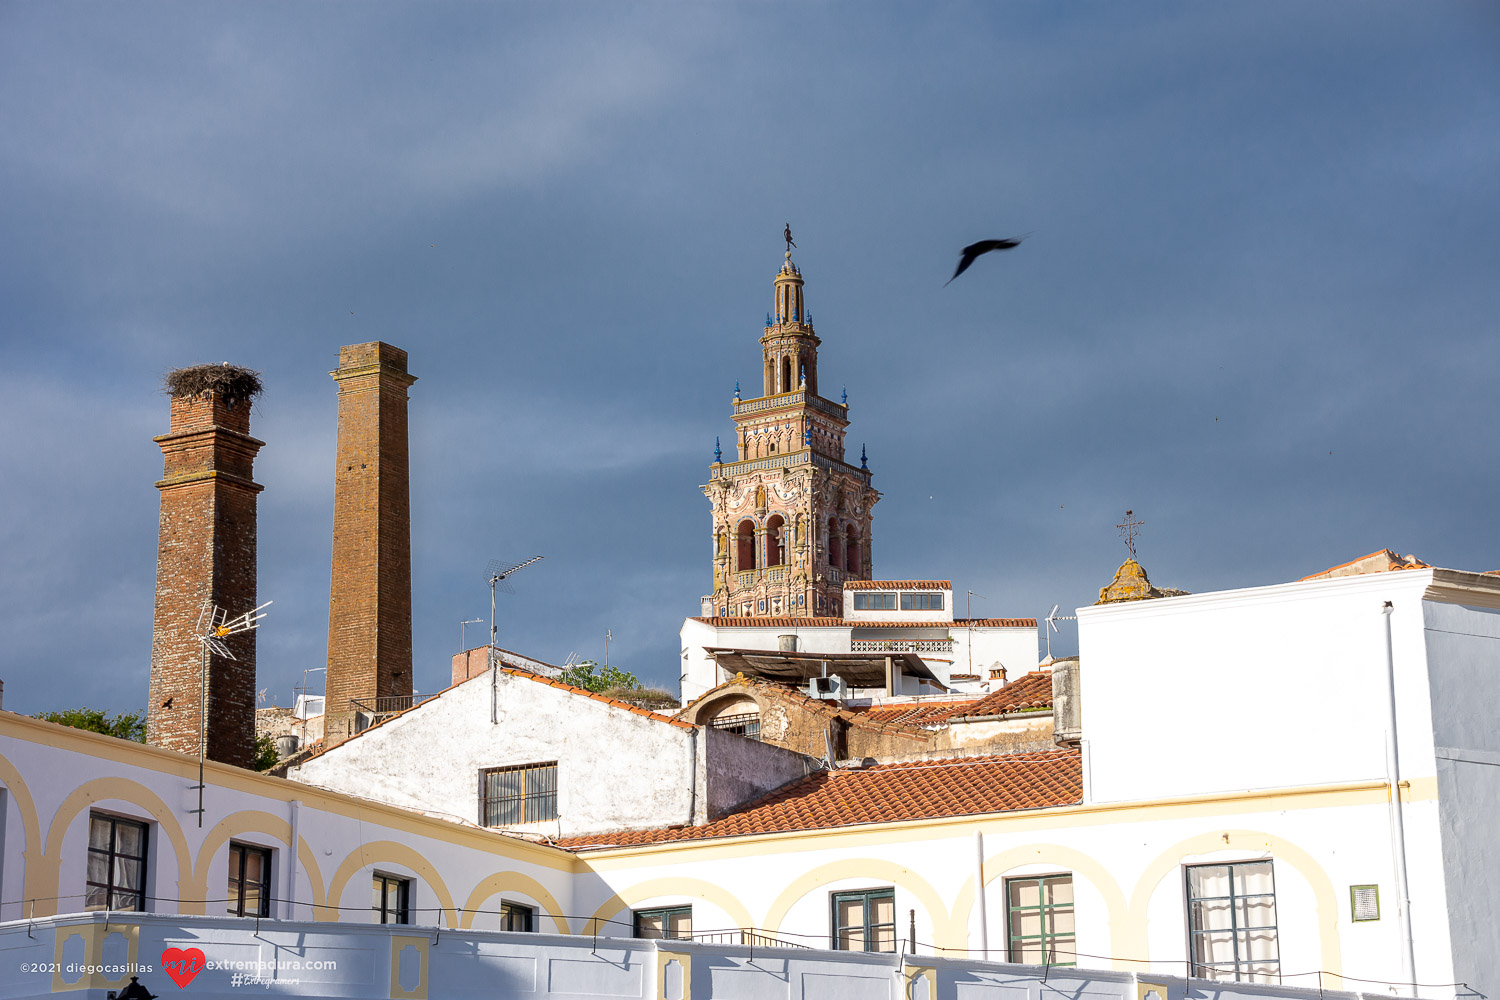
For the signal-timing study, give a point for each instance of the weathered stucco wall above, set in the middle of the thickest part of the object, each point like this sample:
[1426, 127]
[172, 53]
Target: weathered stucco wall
[617, 770]
[737, 770]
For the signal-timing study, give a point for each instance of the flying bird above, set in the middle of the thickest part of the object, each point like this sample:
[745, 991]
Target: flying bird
[973, 250]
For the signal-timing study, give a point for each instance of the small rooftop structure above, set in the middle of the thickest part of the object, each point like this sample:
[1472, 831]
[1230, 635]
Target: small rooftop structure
[1379, 561]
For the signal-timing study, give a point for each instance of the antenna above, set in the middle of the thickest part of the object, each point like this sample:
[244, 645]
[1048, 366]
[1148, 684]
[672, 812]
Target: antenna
[214, 626]
[497, 574]
[1052, 619]
[463, 642]
[571, 661]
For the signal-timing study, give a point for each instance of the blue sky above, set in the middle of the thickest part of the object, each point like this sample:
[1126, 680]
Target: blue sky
[1257, 306]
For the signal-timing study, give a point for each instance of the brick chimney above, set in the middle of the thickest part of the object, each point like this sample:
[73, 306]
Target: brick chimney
[205, 553]
[369, 602]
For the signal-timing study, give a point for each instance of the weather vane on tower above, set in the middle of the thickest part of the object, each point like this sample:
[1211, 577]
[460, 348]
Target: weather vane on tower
[1128, 530]
[786, 234]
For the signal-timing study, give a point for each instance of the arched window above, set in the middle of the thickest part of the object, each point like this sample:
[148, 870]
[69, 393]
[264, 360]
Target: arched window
[744, 544]
[833, 542]
[776, 541]
[786, 374]
[851, 549]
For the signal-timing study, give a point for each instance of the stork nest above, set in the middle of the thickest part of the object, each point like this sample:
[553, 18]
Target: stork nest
[230, 383]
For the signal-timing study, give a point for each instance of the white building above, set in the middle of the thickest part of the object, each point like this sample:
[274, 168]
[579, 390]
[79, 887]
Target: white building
[880, 617]
[513, 750]
[1226, 813]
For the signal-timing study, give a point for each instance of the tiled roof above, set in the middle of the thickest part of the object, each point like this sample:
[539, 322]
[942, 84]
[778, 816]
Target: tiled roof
[514, 672]
[617, 703]
[1379, 561]
[1034, 690]
[885, 793]
[898, 584]
[855, 623]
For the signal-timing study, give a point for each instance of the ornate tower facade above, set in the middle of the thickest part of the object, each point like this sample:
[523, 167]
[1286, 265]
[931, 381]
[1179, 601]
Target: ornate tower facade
[791, 518]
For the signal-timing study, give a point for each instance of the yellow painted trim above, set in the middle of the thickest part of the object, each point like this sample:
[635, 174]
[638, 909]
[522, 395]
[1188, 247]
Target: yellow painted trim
[1142, 988]
[371, 855]
[100, 790]
[682, 958]
[31, 827]
[235, 824]
[911, 973]
[1059, 817]
[872, 870]
[493, 885]
[1253, 843]
[179, 765]
[648, 890]
[399, 943]
[996, 866]
[314, 875]
[94, 935]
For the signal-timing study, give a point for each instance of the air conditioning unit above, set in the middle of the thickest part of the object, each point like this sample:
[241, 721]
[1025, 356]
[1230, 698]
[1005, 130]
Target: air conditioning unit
[831, 688]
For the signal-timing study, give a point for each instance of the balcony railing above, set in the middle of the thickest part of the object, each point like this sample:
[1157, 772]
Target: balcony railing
[797, 398]
[370, 711]
[918, 646]
[744, 935]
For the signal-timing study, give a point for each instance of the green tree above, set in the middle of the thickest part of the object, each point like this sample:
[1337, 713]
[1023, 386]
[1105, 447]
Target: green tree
[592, 677]
[265, 752]
[123, 726]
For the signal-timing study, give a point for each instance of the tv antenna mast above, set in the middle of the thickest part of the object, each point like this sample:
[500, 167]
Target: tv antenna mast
[498, 575]
[1052, 619]
[214, 626]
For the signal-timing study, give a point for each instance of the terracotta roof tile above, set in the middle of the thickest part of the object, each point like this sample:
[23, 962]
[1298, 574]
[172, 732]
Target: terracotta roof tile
[783, 622]
[898, 584]
[885, 793]
[1031, 691]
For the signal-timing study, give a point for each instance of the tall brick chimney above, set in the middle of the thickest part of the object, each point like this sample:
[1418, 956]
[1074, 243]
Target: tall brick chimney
[205, 552]
[369, 603]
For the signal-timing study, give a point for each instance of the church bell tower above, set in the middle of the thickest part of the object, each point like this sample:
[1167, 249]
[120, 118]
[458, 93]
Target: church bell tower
[791, 518]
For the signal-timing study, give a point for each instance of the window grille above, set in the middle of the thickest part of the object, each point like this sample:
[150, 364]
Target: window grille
[1040, 912]
[747, 724]
[116, 877]
[249, 881]
[524, 793]
[1364, 902]
[865, 921]
[1232, 922]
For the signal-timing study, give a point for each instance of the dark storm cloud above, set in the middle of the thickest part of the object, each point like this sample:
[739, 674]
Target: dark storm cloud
[1260, 234]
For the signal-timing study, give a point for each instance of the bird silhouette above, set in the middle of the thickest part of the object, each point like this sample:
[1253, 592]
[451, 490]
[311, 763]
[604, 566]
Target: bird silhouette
[973, 250]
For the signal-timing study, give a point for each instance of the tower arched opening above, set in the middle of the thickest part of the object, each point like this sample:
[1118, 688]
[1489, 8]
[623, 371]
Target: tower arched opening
[776, 541]
[851, 549]
[744, 546]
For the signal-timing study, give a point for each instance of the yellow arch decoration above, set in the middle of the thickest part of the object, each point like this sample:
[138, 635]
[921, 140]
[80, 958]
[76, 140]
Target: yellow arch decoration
[868, 868]
[31, 826]
[709, 892]
[1279, 848]
[1071, 859]
[500, 882]
[245, 821]
[85, 795]
[375, 852]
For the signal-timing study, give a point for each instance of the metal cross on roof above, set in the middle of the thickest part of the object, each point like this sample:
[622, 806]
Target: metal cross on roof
[1128, 530]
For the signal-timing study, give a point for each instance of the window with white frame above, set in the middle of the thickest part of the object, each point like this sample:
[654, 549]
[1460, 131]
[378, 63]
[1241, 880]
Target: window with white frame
[116, 876]
[874, 601]
[1232, 922]
[1039, 912]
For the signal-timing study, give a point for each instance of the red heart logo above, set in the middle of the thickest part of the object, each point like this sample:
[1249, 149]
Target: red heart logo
[182, 965]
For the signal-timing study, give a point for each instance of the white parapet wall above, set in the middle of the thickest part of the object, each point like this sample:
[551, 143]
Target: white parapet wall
[93, 955]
